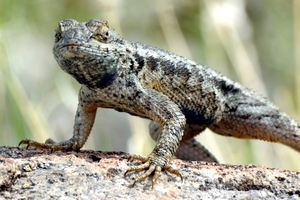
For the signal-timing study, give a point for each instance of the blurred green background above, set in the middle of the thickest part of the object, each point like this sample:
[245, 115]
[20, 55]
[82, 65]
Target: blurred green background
[255, 42]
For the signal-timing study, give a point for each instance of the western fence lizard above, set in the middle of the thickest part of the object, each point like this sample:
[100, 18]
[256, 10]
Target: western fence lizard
[181, 97]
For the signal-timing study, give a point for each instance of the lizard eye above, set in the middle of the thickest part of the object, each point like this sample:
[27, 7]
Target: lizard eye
[101, 34]
[100, 30]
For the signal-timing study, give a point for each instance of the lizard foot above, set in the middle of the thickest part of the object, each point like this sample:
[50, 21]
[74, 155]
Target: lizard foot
[151, 165]
[50, 144]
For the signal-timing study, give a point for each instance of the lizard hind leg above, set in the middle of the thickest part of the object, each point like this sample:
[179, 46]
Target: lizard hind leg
[192, 150]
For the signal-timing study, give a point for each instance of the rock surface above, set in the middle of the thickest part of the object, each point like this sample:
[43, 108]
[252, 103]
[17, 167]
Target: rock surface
[38, 174]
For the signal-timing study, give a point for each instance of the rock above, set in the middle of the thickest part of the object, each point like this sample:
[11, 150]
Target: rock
[40, 174]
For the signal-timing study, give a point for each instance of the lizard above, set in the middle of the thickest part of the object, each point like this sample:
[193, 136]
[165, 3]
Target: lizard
[180, 96]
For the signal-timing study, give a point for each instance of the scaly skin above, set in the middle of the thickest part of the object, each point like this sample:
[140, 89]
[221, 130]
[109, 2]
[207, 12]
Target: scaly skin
[180, 96]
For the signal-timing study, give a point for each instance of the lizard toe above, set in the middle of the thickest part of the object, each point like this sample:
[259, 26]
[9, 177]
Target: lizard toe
[31, 143]
[49, 144]
[138, 157]
[150, 166]
[172, 170]
[150, 170]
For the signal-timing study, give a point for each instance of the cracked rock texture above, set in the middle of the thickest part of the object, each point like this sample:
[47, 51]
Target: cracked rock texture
[38, 174]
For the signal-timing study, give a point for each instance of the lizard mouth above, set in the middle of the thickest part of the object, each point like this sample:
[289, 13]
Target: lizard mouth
[68, 46]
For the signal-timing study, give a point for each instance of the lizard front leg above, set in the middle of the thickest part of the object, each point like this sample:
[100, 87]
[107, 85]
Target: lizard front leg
[189, 148]
[84, 120]
[161, 109]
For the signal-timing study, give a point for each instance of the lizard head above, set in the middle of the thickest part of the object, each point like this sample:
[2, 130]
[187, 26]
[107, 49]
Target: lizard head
[85, 50]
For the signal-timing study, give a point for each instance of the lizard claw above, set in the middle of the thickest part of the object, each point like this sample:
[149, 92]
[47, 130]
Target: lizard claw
[31, 143]
[150, 167]
[138, 157]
